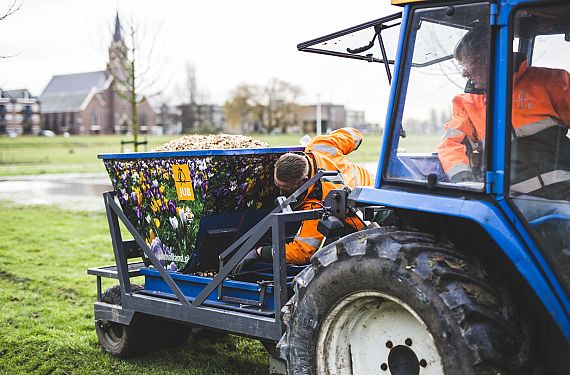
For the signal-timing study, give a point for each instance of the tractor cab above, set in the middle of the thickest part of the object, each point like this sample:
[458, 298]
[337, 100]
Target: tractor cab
[477, 109]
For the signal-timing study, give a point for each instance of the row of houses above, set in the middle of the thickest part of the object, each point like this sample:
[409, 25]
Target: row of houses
[90, 103]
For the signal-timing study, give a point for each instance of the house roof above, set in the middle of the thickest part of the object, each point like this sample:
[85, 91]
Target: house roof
[17, 94]
[68, 92]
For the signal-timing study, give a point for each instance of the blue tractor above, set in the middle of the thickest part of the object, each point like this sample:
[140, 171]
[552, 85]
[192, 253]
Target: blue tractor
[470, 274]
[464, 267]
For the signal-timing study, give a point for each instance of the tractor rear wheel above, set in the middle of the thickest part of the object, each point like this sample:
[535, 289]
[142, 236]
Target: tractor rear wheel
[400, 303]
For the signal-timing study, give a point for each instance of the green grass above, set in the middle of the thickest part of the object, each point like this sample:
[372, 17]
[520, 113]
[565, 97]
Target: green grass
[46, 304]
[39, 155]
[29, 155]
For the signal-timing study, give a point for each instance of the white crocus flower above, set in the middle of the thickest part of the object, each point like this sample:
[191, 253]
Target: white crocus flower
[174, 222]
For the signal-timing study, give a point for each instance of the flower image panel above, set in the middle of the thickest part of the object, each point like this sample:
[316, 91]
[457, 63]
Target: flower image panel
[222, 184]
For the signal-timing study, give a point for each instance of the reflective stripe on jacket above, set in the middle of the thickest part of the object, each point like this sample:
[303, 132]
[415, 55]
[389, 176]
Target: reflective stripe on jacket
[541, 101]
[326, 152]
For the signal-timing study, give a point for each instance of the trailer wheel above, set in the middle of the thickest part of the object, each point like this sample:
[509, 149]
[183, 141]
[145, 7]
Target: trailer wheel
[400, 303]
[119, 339]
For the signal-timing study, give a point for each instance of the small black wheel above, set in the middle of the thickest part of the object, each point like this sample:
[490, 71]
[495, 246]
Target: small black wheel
[392, 302]
[121, 340]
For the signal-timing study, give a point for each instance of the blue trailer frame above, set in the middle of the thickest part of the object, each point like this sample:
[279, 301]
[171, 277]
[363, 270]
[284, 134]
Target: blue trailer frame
[201, 301]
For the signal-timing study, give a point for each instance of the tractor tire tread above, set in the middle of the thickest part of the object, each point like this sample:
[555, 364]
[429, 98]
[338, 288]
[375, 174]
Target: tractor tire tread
[480, 306]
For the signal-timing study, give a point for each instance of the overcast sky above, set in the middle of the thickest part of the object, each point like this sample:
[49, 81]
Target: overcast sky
[228, 41]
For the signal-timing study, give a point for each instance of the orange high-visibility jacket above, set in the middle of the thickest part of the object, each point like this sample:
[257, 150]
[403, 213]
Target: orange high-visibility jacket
[326, 152]
[541, 100]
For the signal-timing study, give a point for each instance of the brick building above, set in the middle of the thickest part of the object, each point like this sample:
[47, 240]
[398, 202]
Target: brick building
[88, 103]
[19, 113]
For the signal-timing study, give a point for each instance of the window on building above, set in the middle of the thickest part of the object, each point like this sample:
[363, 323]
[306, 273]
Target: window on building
[47, 123]
[3, 112]
[27, 113]
[58, 120]
[94, 118]
[143, 119]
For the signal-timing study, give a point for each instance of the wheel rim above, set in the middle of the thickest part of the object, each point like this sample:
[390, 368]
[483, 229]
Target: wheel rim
[373, 333]
[113, 332]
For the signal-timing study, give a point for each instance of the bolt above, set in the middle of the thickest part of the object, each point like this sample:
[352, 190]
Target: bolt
[408, 341]
[423, 363]
[389, 344]
[384, 367]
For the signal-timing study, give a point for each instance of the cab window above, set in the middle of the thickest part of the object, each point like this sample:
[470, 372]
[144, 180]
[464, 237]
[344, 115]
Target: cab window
[540, 120]
[441, 120]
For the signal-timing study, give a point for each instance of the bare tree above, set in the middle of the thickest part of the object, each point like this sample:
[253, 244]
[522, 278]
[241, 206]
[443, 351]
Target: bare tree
[12, 8]
[193, 102]
[133, 70]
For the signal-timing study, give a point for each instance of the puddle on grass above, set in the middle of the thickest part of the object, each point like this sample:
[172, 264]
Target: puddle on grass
[73, 191]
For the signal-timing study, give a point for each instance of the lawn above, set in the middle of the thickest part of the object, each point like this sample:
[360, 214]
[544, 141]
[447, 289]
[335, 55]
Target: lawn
[38, 155]
[29, 155]
[46, 304]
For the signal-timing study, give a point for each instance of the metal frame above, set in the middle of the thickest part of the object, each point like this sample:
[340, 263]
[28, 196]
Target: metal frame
[196, 310]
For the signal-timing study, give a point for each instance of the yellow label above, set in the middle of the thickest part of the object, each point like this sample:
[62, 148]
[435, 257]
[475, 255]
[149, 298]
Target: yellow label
[181, 175]
[402, 2]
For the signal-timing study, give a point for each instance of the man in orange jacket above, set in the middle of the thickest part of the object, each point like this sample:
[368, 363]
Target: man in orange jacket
[540, 120]
[292, 170]
[326, 152]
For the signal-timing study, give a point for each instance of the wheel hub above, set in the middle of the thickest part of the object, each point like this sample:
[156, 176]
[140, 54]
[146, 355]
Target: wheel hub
[373, 333]
[403, 361]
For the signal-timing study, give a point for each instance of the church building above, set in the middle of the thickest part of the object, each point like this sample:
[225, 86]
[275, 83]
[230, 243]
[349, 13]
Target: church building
[90, 103]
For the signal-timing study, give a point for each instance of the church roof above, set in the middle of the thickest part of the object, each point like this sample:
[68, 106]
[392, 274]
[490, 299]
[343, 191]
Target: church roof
[68, 92]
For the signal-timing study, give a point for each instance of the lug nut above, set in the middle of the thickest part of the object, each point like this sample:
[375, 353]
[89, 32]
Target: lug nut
[423, 363]
[408, 341]
[384, 367]
[389, 344]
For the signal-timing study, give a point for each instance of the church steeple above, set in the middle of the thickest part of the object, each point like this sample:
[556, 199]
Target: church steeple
[117, 52]
[117, 35]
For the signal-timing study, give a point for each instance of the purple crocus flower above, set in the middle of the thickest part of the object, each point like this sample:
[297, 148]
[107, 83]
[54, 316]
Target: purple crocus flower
[138, 212]
[156, 248]
[172, 206]
[240, 200]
